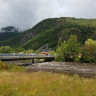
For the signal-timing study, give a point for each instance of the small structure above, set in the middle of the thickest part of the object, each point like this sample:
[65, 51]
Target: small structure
[45, 48]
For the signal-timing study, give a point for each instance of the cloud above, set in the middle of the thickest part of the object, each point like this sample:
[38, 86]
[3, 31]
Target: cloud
[26, 13]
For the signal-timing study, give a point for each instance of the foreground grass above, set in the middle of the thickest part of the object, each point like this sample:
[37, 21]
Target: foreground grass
[11, 67]
[44, 84]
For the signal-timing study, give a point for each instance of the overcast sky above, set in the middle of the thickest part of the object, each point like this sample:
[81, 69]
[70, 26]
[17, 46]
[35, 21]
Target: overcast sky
[26, 13]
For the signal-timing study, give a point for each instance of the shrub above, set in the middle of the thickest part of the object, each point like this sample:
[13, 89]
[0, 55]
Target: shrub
[59, 54]
[37, 51]
[16, 68]
[89, 51]
[3, 66]
[6, 49]
[76, 59]
[11, 67]
[68, 50]
[28, 51]
[51, 52]
[18, 49]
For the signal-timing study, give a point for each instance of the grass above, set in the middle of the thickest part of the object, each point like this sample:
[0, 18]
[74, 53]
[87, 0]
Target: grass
[11, 67]
[45, 84]
[15, 81]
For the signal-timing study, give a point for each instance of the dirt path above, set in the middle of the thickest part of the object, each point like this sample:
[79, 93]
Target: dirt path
[82, 69]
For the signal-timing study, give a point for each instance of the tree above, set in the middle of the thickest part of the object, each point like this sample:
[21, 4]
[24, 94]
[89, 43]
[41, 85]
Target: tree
[6, 49]
[60, 41]
[89, 51]
[68, 51]
[59, 53]
[73, 47]
[52, 52]
[37, 51]
[19, 49]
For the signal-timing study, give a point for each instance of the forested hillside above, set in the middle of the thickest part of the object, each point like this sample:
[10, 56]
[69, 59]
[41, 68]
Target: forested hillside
[8, 32]
[50, 30]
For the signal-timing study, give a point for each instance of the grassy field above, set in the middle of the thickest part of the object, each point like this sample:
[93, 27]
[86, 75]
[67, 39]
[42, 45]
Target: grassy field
[44, 84]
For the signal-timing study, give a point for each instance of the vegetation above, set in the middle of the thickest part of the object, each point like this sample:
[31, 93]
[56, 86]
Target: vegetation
[71, 51]
[11, 67]
[89, 51]
[7, 35]
[3, 66]
[37, 52]
[30, 51]
[8, 32]
[6, 49]
[68, 51]
[50, 30]
[18, 49]
[45, 84]
[51, 52]
[57, 31]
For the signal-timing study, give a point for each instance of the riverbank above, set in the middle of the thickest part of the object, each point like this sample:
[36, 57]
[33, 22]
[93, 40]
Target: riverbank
[71, 68]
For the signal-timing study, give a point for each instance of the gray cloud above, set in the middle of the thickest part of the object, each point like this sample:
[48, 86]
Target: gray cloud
[26, 13]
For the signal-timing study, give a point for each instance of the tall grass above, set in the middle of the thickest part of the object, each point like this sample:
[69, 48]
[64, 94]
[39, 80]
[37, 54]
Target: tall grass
[11, 67]
[45, 84]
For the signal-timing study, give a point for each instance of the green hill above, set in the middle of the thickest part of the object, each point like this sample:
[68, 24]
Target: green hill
[8, 32]
[50, 30]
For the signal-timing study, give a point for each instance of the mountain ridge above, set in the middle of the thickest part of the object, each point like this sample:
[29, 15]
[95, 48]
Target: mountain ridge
[51, 29]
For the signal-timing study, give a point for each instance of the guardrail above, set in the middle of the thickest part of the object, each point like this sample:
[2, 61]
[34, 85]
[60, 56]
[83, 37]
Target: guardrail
[12, 54]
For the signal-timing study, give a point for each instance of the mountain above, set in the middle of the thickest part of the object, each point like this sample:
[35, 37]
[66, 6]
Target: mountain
[9, 29]
[50, 30]
[8, 32]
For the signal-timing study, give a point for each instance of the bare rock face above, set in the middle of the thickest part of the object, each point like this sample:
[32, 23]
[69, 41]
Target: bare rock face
[27, 37]
[40, 27]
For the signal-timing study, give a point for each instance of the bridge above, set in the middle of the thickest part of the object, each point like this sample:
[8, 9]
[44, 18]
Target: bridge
[11, 57]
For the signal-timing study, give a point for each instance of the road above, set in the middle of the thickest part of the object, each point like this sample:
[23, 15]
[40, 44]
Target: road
[25, 57]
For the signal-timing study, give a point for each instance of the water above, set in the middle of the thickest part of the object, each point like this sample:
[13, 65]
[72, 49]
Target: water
[82, 69]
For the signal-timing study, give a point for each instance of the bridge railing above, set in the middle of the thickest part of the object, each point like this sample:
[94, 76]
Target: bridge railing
[16, 54]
